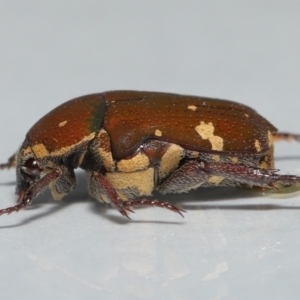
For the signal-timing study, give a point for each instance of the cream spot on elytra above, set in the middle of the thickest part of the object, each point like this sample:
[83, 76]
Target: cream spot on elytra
[192, 107]
[257, 145]
[158, 132]
[62, 124]
[206, 131]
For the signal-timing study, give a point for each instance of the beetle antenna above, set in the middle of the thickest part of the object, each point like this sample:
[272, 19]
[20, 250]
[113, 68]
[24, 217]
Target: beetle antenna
[10, 163]
[5, 166]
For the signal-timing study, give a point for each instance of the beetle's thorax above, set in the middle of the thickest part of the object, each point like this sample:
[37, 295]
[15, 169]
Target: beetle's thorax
[68, 126]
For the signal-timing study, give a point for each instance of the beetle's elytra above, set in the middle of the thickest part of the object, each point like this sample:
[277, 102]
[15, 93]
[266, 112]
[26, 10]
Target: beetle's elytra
[131, 143]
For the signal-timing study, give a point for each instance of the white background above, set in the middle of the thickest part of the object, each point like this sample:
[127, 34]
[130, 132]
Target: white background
[232, 243]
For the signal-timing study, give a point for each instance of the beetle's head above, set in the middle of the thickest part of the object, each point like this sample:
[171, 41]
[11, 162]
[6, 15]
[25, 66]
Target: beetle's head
[35, 172]
[28, 168]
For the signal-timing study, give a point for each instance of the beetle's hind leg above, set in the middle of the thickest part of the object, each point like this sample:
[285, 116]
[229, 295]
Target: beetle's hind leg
[12, 161]
[280, 136]
[199, 173]
[98, 185]
[189, 176]
[252, 176]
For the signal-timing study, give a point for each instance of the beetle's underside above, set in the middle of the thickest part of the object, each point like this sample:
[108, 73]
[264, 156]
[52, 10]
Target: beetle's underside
[166, 167]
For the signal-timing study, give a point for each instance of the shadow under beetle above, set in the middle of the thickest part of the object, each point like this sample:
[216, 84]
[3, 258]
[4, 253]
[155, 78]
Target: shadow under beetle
[131, 143]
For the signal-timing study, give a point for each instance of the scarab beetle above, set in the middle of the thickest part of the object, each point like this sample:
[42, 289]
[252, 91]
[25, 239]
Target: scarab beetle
[131, 143]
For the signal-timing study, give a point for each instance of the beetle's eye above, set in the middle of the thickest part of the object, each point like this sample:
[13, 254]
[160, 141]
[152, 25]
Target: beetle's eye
[31, 168]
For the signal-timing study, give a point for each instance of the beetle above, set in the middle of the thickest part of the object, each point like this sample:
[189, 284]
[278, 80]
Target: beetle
[131, 143]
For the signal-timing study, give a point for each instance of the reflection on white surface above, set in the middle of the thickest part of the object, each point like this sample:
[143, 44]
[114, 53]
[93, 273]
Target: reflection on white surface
[223, 246]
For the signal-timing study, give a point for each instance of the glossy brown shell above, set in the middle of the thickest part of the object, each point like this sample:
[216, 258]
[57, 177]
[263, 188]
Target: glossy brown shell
[133, 117]
[68, 123]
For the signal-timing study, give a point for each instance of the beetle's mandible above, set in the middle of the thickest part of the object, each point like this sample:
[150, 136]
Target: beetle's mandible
[131, 143]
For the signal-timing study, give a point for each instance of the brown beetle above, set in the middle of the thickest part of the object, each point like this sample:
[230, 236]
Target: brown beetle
[131, 143]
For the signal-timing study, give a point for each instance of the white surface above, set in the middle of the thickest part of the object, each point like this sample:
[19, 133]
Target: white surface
[232, 244]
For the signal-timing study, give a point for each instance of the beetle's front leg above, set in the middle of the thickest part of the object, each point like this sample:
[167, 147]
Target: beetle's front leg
[26, 196]
[63, 184]
[100, 186]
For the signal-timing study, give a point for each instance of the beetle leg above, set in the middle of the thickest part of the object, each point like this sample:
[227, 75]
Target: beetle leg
[12, 161]
[278, 136]
[189, 176]
[148, 202]
[64, 183]
[267, 178]
[99, 183]
[193, 174]
[26, 196]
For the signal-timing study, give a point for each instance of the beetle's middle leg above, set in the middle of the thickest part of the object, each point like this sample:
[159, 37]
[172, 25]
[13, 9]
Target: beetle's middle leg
[100, 186]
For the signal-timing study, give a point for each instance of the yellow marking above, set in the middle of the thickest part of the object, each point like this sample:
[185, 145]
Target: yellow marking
[81, 158]
[247, 115]
[215, 179]
[270, 138]
[104, 151]
[170, 160]
[193, 154]
[62, 124]
[138, 162]
[206, 131]
[107, 160]
[235, 160]
[104, 198]
[158, 132]
[40, 151]
[217, 143]
[142, 181]
[257, 145]
[264, 165]
[192, 107]
[67, 149]
[55, 194]
[216, 157]
[27, 150]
